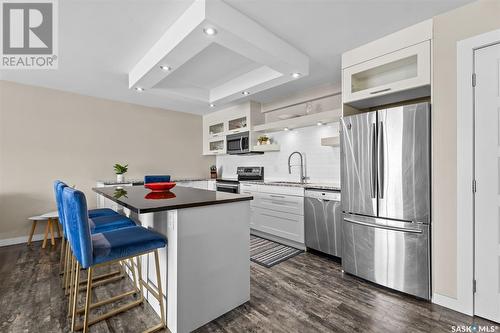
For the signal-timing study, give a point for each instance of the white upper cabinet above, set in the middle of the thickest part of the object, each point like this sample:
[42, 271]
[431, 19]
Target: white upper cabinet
[397, 71]
[397, 65]
[217, 125]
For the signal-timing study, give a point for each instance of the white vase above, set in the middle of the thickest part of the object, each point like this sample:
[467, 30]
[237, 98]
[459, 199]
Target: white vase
[120, 178]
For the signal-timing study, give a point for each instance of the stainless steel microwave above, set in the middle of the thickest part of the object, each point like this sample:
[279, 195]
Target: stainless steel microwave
[238, 143]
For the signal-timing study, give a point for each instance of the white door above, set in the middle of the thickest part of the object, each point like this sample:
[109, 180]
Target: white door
[487, 175]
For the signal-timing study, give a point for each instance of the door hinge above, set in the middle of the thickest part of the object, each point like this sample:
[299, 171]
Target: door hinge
[474, 186]
[474, 79]
[474, 286]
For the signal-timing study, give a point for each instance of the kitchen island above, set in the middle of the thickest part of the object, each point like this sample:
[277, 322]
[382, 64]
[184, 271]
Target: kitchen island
[206, 265]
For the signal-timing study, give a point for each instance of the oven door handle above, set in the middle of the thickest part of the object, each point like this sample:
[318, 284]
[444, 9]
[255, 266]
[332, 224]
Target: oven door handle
[227, 186]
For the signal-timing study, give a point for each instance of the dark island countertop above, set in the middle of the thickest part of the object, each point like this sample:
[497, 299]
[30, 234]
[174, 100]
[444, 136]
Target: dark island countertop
[142, 200]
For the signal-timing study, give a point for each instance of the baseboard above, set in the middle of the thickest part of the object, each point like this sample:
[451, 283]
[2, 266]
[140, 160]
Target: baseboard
[278, 239]
[20, 240]
[451, 303]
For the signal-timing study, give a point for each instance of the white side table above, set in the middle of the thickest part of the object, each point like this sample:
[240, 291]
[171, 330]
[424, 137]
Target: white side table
[51, 218]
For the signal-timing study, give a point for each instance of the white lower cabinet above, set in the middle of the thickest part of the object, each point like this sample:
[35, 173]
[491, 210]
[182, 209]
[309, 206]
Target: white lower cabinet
[277, 211]
[281, 224]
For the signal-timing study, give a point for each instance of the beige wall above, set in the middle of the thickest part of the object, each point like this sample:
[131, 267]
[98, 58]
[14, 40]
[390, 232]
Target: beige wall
[449, 28]
[48, 134]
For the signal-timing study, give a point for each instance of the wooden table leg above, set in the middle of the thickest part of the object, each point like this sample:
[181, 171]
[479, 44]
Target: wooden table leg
[52, 240]
[58, 229]
[33, 226]
[45, 237]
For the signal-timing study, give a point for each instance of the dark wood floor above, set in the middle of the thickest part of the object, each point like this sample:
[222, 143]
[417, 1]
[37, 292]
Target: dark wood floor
[307, 293]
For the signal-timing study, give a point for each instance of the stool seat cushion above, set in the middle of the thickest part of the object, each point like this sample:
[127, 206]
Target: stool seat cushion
[125, 242]
[98, 212]
[108, 223]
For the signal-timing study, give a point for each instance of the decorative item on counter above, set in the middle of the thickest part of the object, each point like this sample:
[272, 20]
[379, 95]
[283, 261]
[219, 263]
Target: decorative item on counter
[263, 140]
[158, 187]
[120, 171]
[213, 172]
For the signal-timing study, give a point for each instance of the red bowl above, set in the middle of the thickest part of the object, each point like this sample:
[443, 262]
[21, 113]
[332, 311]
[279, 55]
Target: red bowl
[165, 186]
[159, 195]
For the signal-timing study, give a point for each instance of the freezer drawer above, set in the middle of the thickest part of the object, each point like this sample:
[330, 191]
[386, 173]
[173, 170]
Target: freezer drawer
[323, 222]
[392, 254]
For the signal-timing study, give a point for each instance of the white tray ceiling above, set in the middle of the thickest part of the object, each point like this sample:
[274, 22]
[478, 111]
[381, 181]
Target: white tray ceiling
[242, 57]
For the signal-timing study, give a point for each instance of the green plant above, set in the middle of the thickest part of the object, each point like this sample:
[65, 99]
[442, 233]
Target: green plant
[120, 169]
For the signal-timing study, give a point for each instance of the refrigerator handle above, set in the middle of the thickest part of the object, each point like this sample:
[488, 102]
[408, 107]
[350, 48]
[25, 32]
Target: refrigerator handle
[373, 176]
[382, 226]
[381, 158]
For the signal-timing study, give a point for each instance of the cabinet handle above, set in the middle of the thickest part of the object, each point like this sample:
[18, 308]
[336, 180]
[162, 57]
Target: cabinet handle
[379, 91]
[277, 196]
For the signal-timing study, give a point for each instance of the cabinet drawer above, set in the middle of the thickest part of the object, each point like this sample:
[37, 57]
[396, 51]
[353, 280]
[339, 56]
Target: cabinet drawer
[286, 190]
[279, 202]
[249, 187]
[289, 226]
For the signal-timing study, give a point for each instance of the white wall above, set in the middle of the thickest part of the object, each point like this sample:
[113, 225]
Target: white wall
[322, 162]
[449, 28]
[48, 134]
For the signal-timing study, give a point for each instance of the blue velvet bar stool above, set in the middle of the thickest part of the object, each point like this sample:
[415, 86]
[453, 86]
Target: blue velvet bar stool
[102, 220]
[93, 213]
[92, 251]
[156, 179]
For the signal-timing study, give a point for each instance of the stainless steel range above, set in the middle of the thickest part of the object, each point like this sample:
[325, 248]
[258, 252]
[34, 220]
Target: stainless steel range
[386, 197]
[244, 173]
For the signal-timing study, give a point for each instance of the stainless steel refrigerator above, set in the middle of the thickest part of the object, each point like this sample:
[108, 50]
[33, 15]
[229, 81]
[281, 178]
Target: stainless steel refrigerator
[385, 158]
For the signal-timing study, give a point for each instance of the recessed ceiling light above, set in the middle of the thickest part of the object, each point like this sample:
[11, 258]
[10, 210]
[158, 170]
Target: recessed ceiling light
[212, 105]
[139, 89]
[210, 31]
[296, 75]
[245, 92]
[320, 123]
[286, 129]
[166, 68]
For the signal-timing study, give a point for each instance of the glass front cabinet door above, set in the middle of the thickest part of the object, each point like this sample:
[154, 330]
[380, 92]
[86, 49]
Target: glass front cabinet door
[401, 70]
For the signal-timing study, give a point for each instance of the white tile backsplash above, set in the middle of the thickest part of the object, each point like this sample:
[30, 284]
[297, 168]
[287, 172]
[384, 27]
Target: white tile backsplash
[322, 163]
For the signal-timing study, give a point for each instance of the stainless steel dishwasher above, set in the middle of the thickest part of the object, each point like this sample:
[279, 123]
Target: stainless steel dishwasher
[323, 221]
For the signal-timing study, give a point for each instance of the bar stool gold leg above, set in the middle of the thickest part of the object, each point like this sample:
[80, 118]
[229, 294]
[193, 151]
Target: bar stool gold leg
[75, 298]
[87, 300]
[51, 226]
[61, 260]
[139, 271]
[160, 292]
[66, 267]
[46, 235]
[71, 285]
